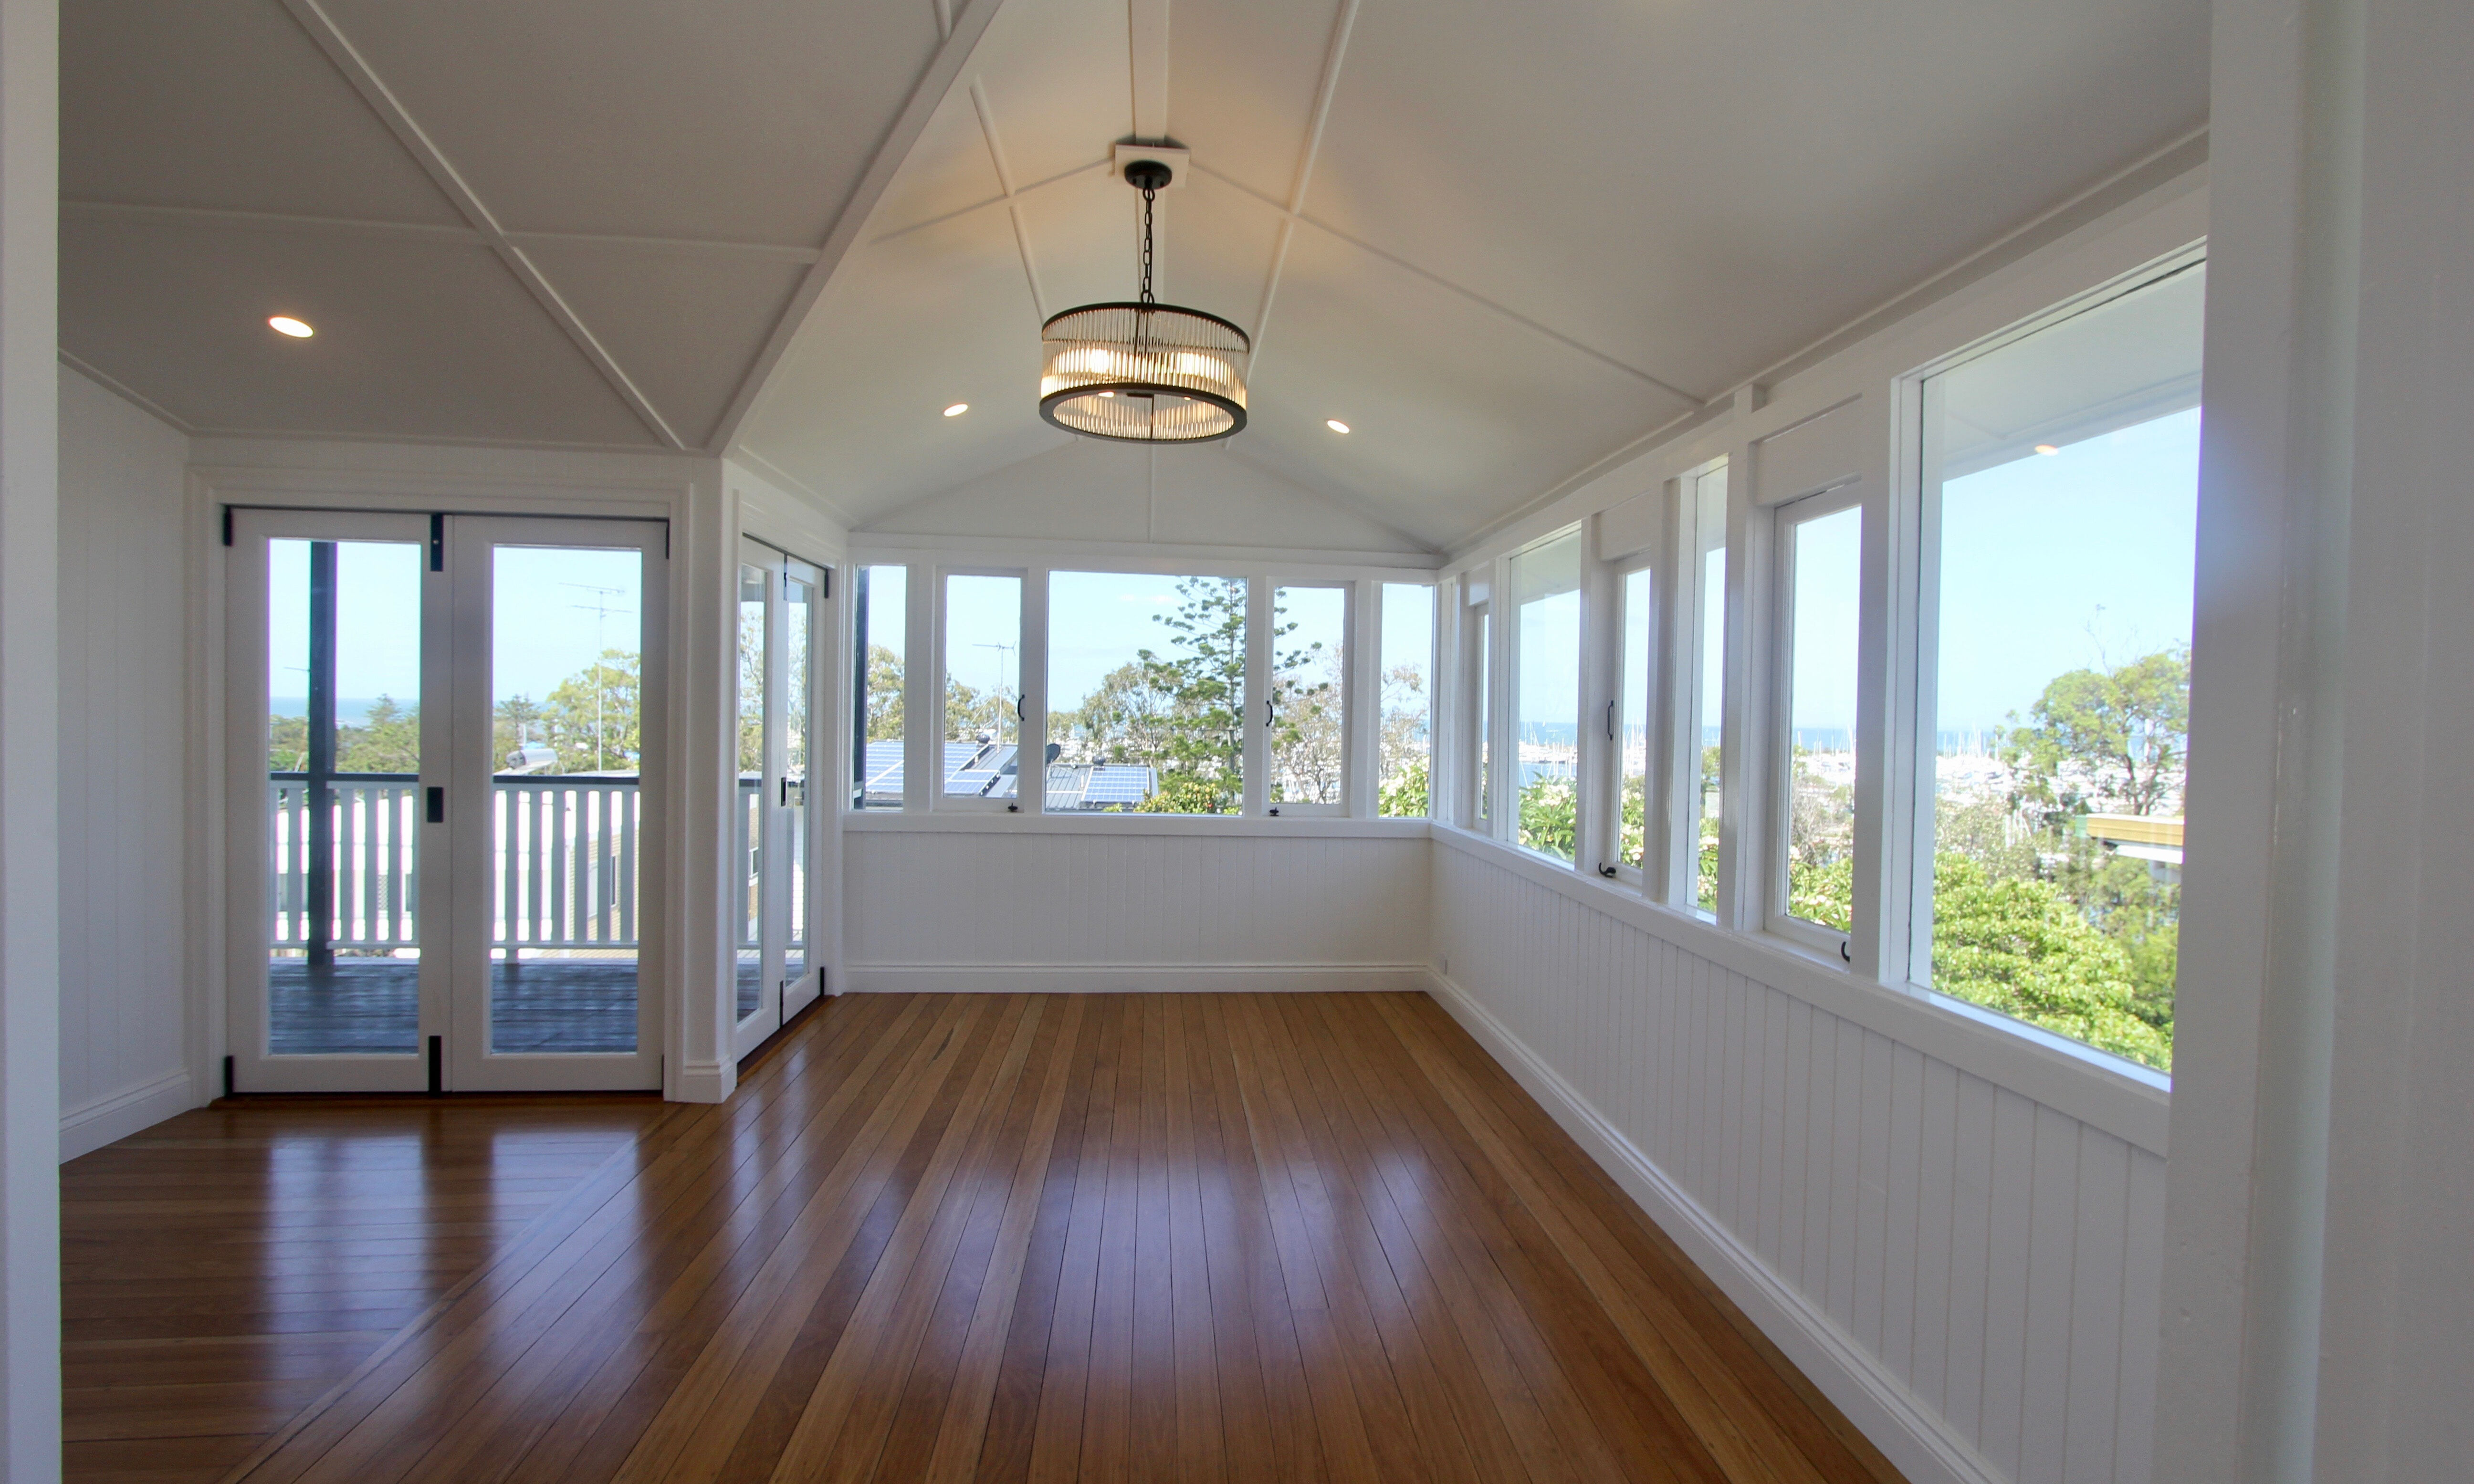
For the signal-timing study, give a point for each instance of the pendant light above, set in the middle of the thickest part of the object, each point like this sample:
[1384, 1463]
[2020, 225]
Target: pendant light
[1142, 371]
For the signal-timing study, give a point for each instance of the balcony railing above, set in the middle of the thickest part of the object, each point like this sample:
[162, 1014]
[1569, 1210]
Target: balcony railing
[564, 857]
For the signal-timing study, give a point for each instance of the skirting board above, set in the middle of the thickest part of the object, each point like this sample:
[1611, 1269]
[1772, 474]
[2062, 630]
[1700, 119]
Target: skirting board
[1906, 1431]
[705, 1082]
[104, 1120]
[1129, 977]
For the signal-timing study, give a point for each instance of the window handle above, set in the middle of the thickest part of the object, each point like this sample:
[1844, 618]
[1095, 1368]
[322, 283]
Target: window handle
[1610, 721]
[1267, 711]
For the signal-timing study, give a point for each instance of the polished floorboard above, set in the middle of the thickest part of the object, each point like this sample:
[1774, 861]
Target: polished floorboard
[978, 1237]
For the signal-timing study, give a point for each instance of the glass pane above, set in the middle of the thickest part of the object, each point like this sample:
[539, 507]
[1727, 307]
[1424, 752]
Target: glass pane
[798, 640]
[1483, 683]
[882, 619]
[1631, 733]
[2064, 683]
[1309, 686]
[1707, 695]
[1146, 686]
[1821, 718]
[344, 797]
[983, 695]
[1406, 745]
[747, 812]
[1546, 710]
[565, 668]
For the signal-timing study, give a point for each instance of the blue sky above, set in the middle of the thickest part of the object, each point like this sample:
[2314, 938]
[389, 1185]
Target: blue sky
[544, 629]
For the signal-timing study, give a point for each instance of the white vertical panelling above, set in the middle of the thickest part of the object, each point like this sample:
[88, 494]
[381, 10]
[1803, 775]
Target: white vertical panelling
[1993, 1260]
[1027, 897]
[124, 1019]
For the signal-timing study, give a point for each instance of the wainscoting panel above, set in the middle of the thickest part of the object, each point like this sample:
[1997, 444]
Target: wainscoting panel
[1953, 1261]
[938, 910]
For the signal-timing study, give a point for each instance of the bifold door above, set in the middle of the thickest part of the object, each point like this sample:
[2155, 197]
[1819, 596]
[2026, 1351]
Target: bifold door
[777, 902]
[444, 836]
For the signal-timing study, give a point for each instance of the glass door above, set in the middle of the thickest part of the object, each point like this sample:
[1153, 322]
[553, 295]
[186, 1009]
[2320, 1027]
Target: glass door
[336, 974]
[556, 832]
[776, 891]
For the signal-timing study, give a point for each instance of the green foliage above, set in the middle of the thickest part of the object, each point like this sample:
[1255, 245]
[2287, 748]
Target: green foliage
[1404, 794]
[2021, 946]
[2117, 736]
[1178, 712]
[385, 741]
[594, 718]
[884, 695]
[1550, 816]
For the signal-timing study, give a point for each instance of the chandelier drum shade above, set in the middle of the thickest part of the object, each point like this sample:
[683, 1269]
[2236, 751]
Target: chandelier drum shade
[1139, 371]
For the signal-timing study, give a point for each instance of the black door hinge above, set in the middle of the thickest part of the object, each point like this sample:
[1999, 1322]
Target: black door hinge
[227, 534]
[437, 543]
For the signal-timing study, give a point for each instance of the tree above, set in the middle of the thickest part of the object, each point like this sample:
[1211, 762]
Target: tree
[1201, 752]
[594, 717]
[1404, 794]
[884, 695]
[1401, 743]
[1308, 747]
[2117, 736]
[512, 723]
[387, 741]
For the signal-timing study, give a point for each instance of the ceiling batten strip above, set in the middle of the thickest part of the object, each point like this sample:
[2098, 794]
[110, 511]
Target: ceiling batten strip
[267, 221]
[1298, 218]
[391, 112]
[1312, 147]
[986, 112]
[1096, 166]
[937, 80]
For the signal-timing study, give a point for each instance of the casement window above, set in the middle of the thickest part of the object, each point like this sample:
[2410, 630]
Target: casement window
[1146, 677]
[1814, 800]
[1701, 679]
[1306, 712]
[2058, 516]
[1631, 713]
[1546, 695]
[880, 625]
[1404, 740]
[1477, 708]
[979, 620]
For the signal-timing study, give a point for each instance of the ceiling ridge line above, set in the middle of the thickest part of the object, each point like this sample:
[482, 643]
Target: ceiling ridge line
[347, 59]
[988, 118]
[370, 226]
[1470, 294]
[1308, 150]
[778, 252]
[935, 84]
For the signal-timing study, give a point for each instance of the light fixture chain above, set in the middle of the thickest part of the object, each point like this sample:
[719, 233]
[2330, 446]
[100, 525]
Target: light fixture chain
[1148, 196]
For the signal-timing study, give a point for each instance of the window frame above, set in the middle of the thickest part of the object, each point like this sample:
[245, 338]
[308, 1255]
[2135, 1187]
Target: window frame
[938, 799]
[1351, 782]
[925, 570]
[1604, 774]
[1507, 787]
[1779, 727]
[1368, 671]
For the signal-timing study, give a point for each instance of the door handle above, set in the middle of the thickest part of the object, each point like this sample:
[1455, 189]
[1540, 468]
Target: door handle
[436, 812]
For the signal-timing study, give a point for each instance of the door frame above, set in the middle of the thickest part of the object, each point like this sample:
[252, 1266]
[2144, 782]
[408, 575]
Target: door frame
[470, 1063]
[780, 997]
[249, 850]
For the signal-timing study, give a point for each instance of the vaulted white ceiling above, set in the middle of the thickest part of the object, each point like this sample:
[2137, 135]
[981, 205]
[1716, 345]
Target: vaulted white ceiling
[1501, 242]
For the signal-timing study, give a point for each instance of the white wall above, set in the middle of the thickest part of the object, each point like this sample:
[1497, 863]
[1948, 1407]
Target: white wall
[30, 1100]
[1136, 904]
[125, 963]
[1969, 1272]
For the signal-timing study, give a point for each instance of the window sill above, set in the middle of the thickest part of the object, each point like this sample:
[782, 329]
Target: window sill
[881, 821]
[2132, 1103]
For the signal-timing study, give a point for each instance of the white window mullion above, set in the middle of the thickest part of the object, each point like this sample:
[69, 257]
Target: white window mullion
[1362, 777]
[923, 678]
[1030, 767]
[1745, 706]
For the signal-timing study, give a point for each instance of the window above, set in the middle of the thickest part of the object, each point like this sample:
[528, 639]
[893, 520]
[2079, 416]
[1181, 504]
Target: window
[1309, 740]
[1822, 542]
[1146, 686]
[982, 690]
[2060, 490]
[1404, 757]
[1627, 728]
[1479, 646]
[881, 619]
[1702, 692]
[1547, 703]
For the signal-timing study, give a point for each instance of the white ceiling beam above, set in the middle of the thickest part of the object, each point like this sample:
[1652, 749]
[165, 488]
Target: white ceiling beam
[1147, 48]
[1334, 50]
[937, 80]
[420, 231]
[391, 112]
[1018, 193]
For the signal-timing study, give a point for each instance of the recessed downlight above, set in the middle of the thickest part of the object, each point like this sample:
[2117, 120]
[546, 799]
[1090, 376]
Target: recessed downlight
[2046, 449]
[287, 324]
[1335, 425]
[957, 409]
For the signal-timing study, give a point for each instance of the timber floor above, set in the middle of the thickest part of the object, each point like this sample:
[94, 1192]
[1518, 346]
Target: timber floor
[978, 1237]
